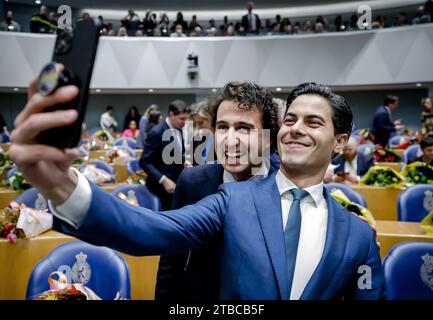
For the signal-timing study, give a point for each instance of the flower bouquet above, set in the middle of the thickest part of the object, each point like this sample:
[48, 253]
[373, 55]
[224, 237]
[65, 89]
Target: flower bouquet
[366, 136]
[385, 155]
[418, 172]
[60, 289]
[18, 183]
[359, 210]
[383, 177]
[138, 177]
[8, 223]
[5, 164]
[117, 156]
[95, 174]
[101, 140]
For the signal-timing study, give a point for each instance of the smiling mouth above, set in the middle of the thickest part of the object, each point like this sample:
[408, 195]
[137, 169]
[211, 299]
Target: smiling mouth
[295, 144]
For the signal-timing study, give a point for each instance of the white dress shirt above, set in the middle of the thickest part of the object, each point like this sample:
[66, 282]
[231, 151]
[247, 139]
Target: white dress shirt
[351, 166]
[107, 122]
[314, 211]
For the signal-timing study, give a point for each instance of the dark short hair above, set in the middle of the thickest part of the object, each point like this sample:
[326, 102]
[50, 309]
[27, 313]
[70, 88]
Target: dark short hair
[342, 116]
[249, 96]
[426, 142]
[390, 99]
[109, 108]
[178, 106]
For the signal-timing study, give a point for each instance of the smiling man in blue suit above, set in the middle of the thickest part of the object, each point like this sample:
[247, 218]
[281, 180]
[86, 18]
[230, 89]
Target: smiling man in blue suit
[282, 237]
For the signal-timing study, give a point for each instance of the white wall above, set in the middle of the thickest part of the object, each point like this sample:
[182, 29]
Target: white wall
[389, 56]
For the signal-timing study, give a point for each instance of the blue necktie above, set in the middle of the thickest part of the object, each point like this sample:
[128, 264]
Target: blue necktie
[292, 233]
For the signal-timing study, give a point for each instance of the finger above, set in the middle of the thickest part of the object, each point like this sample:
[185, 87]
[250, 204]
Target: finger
[36, 123]
[26, 155]
[38, 103]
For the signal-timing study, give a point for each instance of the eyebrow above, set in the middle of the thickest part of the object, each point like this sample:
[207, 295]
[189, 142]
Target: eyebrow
[240, 123]
[310, 116]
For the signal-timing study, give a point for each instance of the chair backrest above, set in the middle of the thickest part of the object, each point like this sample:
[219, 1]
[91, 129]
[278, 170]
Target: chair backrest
[397, 139]
[415, 202]
[99, 268]
[411, 153]
[101, 164]
[144, 197]
[349, 192]
[133, 166]
[408, 271]
[11, 172]
[33, 199]
[124, 141]
[4, 138]
[366, 149]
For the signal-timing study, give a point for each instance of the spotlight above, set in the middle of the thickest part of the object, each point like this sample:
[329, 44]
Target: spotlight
[151, 90]
[278, 89]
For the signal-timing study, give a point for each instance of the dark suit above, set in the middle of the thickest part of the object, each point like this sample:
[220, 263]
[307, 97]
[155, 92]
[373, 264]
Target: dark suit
[364, 162]
[383, 127]
[152, 163]
[246, 23]
[192, 276]
[246, 217]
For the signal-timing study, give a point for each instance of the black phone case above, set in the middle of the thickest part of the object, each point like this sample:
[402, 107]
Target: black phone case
[76, 50]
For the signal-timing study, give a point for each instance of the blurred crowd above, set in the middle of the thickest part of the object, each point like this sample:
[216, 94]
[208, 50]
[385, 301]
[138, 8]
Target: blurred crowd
[249, 24]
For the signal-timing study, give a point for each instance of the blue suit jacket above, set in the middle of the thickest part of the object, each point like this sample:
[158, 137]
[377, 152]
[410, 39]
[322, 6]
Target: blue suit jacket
[151, 162]
[364, 162]
[383, 127]
[247, 218]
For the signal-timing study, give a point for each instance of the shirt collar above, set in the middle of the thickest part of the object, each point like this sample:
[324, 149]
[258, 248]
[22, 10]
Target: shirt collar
[167, 121]
[260, 174]
[284, 185]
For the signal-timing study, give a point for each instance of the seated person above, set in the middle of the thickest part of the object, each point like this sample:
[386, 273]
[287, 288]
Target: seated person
[132, 131]
[427, 150]
[351, 164]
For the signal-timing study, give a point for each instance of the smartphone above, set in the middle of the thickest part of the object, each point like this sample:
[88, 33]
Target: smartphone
[76, 50]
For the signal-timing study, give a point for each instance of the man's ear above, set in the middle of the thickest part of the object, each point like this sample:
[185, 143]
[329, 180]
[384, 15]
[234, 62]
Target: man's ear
[341, 140]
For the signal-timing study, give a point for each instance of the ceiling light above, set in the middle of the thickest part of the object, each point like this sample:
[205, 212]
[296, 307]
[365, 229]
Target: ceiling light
[16, 89]
[278, 89]
[214, 90]
[38, 1]
[151, 90]
[98, 90]
[419, 84]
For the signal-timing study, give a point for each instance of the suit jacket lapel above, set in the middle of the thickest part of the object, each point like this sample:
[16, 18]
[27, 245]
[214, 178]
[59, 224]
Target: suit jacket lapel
[335, 244]
[268, 205]
[214, 175]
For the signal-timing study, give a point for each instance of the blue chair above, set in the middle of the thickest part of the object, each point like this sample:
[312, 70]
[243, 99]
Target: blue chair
[127, 142]
[415, 203]
[33, 199]
[349, 192]
[4, 138]
[144, 197]
[106, 273]
[366, 149]
[101, 164]
[397, 139]
[407, 268]
[133, 166]
[411, 153]
[11, 172]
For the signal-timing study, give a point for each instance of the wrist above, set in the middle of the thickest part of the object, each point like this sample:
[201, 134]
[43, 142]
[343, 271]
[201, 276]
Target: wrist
[63, 191]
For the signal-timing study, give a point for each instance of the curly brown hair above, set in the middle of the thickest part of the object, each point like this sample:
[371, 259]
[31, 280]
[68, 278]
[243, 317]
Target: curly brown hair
[250, 96]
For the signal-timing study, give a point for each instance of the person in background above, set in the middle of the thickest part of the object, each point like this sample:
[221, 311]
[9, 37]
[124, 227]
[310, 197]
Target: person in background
[131, 115]
[143, 124]
[3, 126]
[154, 119]
[203, 133]
[132, 22]
[132, 131]
[426, 116]
[383, 126]
[164, 169]
[178, 31]
[9, 24]
[351, 165]
[179, 20]
[40, 23]
[107, 121]
[251, 21]
[426, 145]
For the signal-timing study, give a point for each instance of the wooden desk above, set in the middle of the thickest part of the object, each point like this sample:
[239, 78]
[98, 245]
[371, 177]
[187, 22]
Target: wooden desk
[5, 146]
[121, 173]
[17, 262]
[382, 202]
[393, 165]
[389, 233]
[7, 195]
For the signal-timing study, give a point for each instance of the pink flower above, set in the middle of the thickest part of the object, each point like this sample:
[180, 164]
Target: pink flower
[12, 237]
